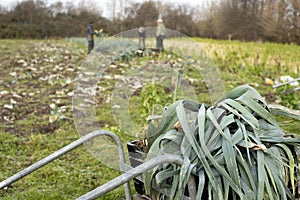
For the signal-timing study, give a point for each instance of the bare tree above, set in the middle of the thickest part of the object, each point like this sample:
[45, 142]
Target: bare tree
[244, 20]
[138, 14]
[293, 20]
[207, 20]
[180, 18]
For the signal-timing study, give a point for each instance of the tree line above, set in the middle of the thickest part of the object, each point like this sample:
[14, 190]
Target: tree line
[249, 20]
[265, 20]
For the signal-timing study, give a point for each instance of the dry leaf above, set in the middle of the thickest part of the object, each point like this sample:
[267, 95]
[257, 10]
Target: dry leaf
[53, 118]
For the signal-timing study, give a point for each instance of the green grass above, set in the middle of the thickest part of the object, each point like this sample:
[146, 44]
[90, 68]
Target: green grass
[26, 135]
[262, 59]
[68, 177]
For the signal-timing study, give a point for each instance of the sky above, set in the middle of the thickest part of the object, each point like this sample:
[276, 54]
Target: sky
[103, 5]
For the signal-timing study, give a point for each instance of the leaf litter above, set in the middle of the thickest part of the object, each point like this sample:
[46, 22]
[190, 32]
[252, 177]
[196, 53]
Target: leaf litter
[35, 76]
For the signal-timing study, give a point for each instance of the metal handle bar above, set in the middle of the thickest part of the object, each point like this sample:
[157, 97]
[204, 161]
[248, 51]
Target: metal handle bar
[134, 172]
[67, 149]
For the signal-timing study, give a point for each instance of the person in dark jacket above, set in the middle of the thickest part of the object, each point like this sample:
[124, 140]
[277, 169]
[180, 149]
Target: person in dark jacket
[90, 36]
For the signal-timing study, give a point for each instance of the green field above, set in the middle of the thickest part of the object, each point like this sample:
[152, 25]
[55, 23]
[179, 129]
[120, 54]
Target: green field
[36, 85]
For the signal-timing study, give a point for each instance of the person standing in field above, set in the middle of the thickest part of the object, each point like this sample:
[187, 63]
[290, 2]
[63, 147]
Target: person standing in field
[90, 36]
[142, 37]
[160, 35]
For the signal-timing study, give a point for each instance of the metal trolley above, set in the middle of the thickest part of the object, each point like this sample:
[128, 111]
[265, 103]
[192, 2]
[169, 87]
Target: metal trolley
[128, 173]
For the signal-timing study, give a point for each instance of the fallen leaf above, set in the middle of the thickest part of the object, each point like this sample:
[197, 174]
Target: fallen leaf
[8, 106]
[269, 81]
[60, 92]
[12, 101]
[14, 74]
[52, 106]
[17, 96]
[53, 118]
[4, 92]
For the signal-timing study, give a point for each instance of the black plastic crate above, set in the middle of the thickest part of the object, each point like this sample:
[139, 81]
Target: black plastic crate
[136, 158]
